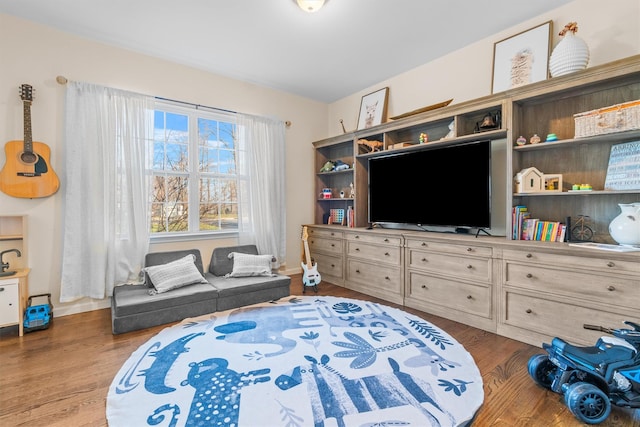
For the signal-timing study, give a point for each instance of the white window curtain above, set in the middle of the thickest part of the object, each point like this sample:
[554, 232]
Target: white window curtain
[263, 200]
[105, 210]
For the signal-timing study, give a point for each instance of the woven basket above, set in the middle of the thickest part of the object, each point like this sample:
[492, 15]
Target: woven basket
[616, 118]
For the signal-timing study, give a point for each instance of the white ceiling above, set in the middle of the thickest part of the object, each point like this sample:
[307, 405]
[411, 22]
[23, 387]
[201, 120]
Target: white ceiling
[345, 47]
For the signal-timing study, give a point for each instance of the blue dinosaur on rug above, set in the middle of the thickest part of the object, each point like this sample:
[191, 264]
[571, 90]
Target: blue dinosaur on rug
[299, 361]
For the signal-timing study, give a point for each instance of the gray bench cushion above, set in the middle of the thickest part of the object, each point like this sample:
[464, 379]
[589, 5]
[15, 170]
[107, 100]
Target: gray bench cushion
[132, 307]
[133, 299]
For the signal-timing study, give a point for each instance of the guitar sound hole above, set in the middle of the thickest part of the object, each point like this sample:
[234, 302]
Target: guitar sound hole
[28, 157]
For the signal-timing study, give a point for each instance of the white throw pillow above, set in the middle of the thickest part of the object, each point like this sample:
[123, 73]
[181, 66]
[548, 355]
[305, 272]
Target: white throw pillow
[175, 274]
[246, 265]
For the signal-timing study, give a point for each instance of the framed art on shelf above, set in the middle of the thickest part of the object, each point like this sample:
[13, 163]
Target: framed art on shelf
[373, 109]
[522, 59]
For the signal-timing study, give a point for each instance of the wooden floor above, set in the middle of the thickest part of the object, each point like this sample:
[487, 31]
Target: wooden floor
[60, 376]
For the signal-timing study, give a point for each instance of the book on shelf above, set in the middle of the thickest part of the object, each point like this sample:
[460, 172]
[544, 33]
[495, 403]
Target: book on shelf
[524, 227]
[516, 221]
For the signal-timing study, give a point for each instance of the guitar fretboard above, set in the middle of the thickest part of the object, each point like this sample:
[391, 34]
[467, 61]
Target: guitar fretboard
[28, 141]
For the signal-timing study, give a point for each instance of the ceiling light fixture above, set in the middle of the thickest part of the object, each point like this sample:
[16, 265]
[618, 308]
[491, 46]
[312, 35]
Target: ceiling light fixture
[310, 5]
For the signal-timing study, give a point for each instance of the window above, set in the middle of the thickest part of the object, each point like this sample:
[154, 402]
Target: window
[196, 171]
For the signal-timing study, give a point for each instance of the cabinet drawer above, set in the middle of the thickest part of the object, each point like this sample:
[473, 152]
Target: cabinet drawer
[459, 266]
[605, 289]
[374, 238]
[9, 303]
[449, 248]
[385, 278]
[553, 318]
[322, 232]
[327, 246]
[472, 299]
[375, 253]
[600, 264]
[328, 266]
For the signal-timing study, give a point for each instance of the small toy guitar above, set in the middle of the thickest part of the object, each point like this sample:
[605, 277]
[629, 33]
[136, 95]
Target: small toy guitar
[26, 172]
[310, 276]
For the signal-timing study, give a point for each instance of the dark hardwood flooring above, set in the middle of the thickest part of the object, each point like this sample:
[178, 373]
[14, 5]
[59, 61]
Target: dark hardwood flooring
[60, 376]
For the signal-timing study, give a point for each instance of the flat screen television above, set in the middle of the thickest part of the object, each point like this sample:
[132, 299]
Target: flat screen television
[446, 188]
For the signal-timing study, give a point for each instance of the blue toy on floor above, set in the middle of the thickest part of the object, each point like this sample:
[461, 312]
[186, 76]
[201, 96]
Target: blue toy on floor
[38, 316]
[592, 378]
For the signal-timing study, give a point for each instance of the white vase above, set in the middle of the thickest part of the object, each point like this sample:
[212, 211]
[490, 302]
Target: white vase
[570, 55]
[625, 228]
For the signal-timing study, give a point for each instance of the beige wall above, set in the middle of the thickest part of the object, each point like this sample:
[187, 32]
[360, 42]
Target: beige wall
[611, 31]
[35, 54]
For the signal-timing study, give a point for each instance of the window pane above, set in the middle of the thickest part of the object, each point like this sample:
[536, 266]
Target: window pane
[171, 139]
[209, 217]
[177, 217]
[229, 216]
[208, 132]
[228, 135]
[158, 224]
[177, 157]
[227, 162]
[209, 191]
[208, 160]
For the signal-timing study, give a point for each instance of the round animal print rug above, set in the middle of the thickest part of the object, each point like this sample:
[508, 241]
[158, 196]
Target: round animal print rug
[299, 361]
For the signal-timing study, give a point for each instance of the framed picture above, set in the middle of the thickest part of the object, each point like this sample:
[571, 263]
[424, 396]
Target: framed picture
[373, 109]
[522, 59]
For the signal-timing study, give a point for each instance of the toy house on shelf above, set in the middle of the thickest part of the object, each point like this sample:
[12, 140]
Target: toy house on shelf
[531, 180]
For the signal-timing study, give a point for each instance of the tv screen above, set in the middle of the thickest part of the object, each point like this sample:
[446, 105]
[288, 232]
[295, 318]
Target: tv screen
[446, 186]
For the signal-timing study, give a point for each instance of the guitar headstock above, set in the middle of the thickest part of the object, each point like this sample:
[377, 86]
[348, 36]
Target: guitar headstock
[305, 234]
[26, 92]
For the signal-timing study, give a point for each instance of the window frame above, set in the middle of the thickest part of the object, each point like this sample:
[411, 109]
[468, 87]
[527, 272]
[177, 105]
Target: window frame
[193, 172]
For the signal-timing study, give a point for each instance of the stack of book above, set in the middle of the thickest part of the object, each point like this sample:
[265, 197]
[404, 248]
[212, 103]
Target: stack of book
[350, 218]
[527, 228]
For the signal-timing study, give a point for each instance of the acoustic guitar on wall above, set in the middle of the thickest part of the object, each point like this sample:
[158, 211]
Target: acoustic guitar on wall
[310, 275]
[27, 172]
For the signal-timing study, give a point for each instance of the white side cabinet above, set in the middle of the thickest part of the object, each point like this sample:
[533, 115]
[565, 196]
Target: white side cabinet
[9, 302]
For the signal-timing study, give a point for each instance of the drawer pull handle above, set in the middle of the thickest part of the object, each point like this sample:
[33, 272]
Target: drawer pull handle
[424, 287]
[529, 275]
[611, 264]
[358, 271]
[529, 311]
[469, 297]
[469, 266]
[333, 245]
[386, 240]
[333, 266]
[611, 288]
[386, 254]
[357, 249]
[424, 244]
[529, 255]
[332, 234]
[1, 289]
[424, 260]
[386, 278]
[469, 249]
[357, 237]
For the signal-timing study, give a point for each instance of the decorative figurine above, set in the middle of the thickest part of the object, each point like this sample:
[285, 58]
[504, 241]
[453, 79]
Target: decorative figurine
[424, 138]
[551, 137]
[534, 139]
[352, 192]
[521, 140]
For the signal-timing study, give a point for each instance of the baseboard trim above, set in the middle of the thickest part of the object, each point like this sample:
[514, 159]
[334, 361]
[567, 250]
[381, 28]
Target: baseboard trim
[81, 308]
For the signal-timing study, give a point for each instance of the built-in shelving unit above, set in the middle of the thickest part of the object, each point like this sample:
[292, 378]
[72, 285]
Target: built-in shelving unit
[539, 108]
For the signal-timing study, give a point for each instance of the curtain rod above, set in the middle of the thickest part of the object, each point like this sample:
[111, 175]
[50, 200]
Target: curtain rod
[63, 81]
